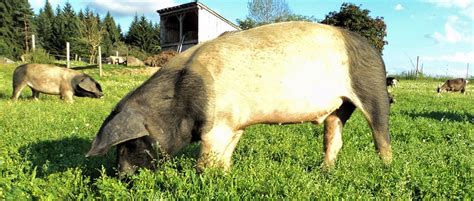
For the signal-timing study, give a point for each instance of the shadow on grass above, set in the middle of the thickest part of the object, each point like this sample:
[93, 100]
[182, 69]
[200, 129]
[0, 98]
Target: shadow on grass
[4, 96]
[443, 116]
[85, 67]
[54, 156]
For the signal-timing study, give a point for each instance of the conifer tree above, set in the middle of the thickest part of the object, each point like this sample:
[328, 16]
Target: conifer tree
[6, 31]
[16, 27]
[143, 35]
[44, 23]
[58, 41]
[111, 33]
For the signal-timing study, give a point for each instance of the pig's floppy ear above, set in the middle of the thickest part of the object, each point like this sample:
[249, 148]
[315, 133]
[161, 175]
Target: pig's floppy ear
[87, 84]
[124, 126]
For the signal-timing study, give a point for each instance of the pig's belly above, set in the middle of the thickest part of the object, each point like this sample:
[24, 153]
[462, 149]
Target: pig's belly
[292, 111]
[46, 86]
[277, 107]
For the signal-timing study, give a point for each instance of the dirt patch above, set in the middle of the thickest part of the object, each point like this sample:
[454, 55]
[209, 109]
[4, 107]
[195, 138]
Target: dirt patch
[160, 59]
[133, 71]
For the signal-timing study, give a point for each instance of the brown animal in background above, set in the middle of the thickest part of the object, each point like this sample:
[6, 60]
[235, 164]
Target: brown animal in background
[49, 79]
[289, 72]
[458, 84]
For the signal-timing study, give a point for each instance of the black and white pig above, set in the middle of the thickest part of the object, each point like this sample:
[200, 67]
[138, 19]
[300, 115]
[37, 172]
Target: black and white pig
[392, 81]
[49, 79]
[288, 72]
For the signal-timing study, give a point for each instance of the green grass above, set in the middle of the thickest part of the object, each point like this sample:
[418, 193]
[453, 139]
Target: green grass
[43, 143]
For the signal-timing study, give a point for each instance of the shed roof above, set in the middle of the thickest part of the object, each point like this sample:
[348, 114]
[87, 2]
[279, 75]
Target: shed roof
[186, 6]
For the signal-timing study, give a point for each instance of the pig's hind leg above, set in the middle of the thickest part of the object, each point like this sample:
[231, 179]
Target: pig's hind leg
[18, 86]
[333, 125]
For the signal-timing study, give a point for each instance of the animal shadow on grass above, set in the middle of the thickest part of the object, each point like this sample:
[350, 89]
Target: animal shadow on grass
[443, 116]
[53, 156]
[85, 67]
[4, 96]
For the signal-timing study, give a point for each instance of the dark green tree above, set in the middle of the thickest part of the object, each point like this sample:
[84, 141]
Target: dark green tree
[16, 27]
[44, 23]
[58, 40]
[7, 45]
[354, 18]
[119, 29]
[111, 28]
[23, 16]
[247, 23]
[143, 35]
[111, 34]
[71, 28]
[80, 15]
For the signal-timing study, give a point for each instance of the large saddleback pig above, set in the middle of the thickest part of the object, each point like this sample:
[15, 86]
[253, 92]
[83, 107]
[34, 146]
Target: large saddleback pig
[288, 72]
[49, 79]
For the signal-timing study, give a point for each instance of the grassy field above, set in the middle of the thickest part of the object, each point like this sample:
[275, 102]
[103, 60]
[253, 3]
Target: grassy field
[43, 143]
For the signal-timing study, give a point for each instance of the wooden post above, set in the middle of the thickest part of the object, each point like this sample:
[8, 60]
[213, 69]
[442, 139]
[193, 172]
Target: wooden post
[99, 60]
[180, 18]
[417, 61]
[116, 53]
[467, 71]
[68, 62]
[33, 46]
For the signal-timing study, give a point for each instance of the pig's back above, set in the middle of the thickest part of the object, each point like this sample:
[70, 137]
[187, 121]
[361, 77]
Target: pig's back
[297, 70]
[47, 78]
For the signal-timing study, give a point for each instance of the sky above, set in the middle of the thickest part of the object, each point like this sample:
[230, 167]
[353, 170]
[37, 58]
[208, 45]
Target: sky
[439, 32]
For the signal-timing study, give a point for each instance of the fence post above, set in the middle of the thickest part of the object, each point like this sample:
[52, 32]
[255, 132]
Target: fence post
[417, 71]
[33, 46]
[467, 71]
[68, 63]
[99, 58]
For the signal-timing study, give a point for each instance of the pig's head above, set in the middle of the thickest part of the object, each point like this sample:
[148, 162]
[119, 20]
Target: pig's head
[156, 120]
[86, 86]
[441, 88]
[135, 146]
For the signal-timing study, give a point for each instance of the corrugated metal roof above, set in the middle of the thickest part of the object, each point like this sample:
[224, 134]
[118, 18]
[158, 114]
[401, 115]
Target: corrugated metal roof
[197, 5]
[178, 7]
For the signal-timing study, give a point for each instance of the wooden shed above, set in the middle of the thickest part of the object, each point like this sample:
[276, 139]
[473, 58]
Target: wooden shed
[188, 24]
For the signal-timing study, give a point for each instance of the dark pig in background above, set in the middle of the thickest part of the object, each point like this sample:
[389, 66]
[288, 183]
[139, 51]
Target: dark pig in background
[49, 79]
[458, 84]
[289, 72]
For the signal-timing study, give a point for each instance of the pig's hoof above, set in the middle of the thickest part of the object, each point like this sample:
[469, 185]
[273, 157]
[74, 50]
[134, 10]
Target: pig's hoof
[328, 165]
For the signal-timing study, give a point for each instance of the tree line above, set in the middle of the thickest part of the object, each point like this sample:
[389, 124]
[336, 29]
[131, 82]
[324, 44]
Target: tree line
[350, 16]
[84, 30]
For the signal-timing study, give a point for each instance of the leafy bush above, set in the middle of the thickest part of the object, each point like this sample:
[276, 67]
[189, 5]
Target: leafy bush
[136, 52]
[40, 56]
